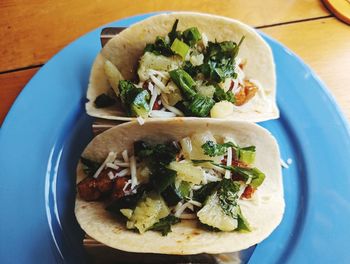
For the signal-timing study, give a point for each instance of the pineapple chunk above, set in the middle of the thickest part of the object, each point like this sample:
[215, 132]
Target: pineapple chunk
[221, 109]
[186, 146]
[172, 94]
[126, 212]
[157, 62]
[212, 214]
[187, 172]
[143, 173]
[148, 212]
[207, 91]
[113, 75]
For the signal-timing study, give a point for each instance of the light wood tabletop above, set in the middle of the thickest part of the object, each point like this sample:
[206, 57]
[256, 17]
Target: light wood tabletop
[33, 31]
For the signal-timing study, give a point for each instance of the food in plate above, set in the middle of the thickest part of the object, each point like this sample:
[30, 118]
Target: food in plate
[180, 186]
[184, 64]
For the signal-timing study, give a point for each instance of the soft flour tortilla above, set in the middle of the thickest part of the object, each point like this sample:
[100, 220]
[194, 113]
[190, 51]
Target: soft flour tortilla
[125, 49]
[263, 213]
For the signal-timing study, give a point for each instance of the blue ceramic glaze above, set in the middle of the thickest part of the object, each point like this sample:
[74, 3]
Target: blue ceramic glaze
[47, 128]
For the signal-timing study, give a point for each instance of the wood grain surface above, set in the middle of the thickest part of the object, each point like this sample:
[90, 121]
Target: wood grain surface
[33, 31]
[325, 46]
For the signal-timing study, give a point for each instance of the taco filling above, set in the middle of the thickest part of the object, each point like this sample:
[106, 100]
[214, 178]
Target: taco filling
[184, 74]
[202, 178]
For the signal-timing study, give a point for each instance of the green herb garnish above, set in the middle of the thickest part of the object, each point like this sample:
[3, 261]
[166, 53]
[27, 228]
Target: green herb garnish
[196, 104]
[159, 47]
[191, 36]
[162, 178]
[180, 48]
[212, 149]
[164, 224]
[184, 81]
[221, 95]
[135, 100]
[219, 60]
[200, 105]
[201, 194]
[228, 196]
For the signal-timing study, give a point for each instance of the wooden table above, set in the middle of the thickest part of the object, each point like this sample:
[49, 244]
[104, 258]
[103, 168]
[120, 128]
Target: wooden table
[33, 31]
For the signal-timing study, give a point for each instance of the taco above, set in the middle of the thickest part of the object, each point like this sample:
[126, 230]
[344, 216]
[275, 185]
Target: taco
[184, 64]
[168, 188]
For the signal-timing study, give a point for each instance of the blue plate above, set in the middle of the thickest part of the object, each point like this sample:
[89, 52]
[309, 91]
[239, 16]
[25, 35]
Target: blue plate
[47, 128]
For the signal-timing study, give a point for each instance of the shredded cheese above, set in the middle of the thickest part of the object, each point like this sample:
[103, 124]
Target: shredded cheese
[112, 166]
[122, 164]
[196, 187]
[126, 185]
[228, 163]
[179, 204]
[154, 94]
[157, 82]
[195, 203]
[210, 177]
[134, 181]
[110, 158]
[150, 87]
[241, 190]
[160, 113]
[122, 173]
[172, 109]
[140, 120]
[181, 209]
[110, 175]
[190, 206]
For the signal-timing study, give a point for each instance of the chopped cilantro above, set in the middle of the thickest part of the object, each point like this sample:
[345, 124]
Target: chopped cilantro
[164, 224]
